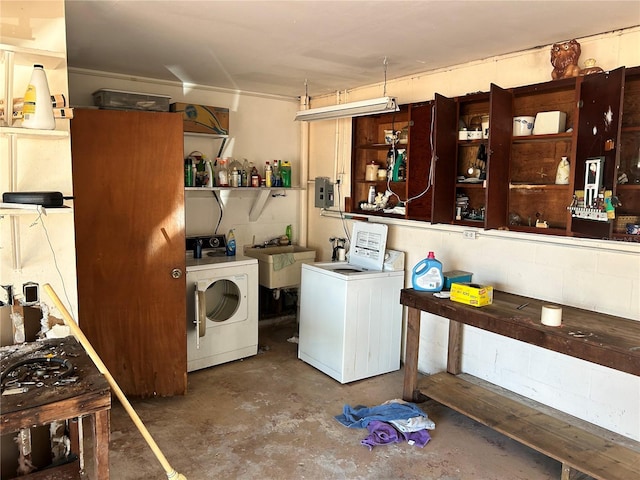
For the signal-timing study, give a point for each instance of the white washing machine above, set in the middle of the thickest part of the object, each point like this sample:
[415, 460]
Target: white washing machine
[350, 312]
[222, 308]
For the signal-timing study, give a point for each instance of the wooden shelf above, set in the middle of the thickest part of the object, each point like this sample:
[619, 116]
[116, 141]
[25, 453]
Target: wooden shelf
[594, 337]
[28, 56]
[556, 137]
[580, 446]
[30, 209]
[263, 194]
[34, 133]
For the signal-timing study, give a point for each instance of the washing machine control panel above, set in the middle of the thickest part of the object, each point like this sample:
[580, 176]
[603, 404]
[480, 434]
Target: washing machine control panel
[209, 242]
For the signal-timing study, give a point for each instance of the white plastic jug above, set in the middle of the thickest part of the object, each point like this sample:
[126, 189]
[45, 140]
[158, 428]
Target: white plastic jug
[38, 109]
[427, 275]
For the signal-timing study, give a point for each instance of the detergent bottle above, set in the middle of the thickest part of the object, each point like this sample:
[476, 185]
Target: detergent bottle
[231, 244]
[427, 275]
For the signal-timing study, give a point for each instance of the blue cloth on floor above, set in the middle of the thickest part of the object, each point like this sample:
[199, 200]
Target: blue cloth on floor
[380, 433]
[360, 416]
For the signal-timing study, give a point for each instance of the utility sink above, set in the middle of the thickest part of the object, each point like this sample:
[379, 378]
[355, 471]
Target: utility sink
[280, 266]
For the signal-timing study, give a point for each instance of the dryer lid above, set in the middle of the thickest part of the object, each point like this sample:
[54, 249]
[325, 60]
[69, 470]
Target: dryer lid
[368, 243]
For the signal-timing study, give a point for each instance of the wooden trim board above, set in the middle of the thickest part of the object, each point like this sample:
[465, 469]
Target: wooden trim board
[597, 452]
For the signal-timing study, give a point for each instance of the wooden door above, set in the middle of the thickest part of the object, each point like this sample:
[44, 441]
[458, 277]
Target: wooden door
[130, 245]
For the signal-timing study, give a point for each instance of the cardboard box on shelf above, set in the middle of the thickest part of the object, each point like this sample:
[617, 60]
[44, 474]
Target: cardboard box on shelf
[202, 118]
[472, 294]
[549, 123]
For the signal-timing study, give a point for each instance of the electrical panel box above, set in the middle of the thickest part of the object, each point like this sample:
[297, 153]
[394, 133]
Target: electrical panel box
[324, 192]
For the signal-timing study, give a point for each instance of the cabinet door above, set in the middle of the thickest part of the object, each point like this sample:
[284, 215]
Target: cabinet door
[628, 185]
[419, 193]
[500, 127]
[598, 136]
[129, 221]
[444, 171]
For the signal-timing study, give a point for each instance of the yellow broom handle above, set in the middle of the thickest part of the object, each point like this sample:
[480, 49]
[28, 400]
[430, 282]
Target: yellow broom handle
[75, 329]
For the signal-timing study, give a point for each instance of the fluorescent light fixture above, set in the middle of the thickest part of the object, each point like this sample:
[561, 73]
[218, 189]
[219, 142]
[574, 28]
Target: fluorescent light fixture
[352, 109]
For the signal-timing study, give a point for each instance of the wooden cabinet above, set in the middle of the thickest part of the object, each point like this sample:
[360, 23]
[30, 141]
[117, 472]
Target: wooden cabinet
[502, 181]
[535, 202]
[425, 126]
[369, 148]
[128, 186]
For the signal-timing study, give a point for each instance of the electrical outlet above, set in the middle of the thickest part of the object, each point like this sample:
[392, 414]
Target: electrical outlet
[469, 234]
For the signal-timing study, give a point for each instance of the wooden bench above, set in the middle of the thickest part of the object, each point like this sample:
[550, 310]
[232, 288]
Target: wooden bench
[603, 339]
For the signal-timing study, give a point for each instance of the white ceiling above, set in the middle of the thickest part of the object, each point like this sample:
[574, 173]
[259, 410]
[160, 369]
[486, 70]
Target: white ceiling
[273, 46]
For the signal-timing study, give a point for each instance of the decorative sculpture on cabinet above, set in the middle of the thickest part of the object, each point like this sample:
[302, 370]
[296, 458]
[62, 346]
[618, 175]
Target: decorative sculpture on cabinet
[564, 58]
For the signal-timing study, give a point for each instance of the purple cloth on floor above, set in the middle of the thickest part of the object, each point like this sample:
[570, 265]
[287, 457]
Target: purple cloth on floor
[420, 438]
[380, 433]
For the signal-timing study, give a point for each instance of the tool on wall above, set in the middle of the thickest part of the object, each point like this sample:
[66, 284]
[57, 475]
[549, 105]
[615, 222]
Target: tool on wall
[75, 329]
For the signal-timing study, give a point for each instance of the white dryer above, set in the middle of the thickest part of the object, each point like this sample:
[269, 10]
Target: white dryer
[350, 312]
[222, 309]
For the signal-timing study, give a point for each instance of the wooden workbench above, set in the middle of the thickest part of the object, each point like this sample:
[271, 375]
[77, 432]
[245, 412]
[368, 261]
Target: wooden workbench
[603, 339]
[89, 395]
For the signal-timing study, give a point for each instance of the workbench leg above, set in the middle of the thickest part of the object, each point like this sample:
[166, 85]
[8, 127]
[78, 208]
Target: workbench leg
[101, 431]
[410, 392]
[454, 354]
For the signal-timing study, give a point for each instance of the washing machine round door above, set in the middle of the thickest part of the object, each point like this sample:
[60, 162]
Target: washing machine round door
[221, 301]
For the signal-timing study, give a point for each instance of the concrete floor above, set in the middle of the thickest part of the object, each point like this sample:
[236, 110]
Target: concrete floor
[272, 417]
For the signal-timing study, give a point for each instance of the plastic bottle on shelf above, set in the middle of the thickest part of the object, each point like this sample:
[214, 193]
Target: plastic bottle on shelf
[427, 274]
[245, 175]
[38, 110]
[188, 172]
[235, 177]
[255, 176]
[209, 170]
[289, 233]
[285, 173]
[222, 174]
[268, 175]
[277, 179]
[231, 243]
[563, 172]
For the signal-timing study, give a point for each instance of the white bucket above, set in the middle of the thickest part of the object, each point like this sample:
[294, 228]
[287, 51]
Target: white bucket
[523, 126]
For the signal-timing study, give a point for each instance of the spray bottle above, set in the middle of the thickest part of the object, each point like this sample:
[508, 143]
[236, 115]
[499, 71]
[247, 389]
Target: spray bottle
[231, 243]
[427, 275]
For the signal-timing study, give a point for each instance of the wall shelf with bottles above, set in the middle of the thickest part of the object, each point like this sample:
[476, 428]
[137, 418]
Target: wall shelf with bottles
[15, 62]
[12, 56]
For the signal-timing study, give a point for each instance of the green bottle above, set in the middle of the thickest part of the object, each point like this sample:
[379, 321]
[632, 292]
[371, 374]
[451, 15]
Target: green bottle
[289, 234]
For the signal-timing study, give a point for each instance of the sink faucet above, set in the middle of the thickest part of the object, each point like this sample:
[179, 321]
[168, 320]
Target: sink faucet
[273, 241]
